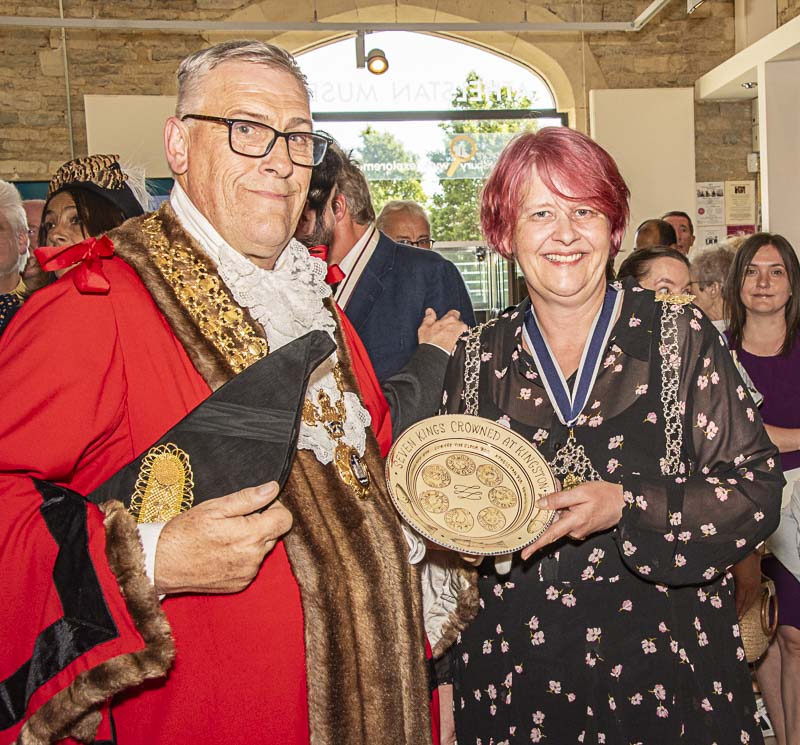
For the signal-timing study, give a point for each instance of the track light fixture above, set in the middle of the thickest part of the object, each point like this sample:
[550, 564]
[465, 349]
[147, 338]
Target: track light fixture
[377, 63]
[361, 57]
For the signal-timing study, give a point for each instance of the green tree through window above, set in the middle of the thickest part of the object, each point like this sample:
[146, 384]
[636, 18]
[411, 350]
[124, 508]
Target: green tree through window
[384, 149]
[455, 209]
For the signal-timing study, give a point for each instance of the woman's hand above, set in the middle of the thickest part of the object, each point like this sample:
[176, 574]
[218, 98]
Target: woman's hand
[747, 582]
[585, 509]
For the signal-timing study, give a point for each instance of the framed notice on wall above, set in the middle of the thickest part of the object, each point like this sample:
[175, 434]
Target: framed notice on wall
[740, 202]
[710, 203]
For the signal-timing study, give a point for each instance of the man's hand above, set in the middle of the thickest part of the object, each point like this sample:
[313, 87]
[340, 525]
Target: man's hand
[218, 546]
[747, 582]
[583, 510]
[443, 332]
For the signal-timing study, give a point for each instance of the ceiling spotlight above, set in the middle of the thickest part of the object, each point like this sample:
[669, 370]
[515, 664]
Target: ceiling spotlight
[377, 63]
[750, 85]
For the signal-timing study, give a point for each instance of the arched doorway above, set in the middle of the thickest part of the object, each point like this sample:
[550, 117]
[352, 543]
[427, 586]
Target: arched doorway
[429, 130]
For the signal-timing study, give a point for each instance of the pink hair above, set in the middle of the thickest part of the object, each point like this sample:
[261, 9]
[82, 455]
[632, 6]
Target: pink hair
[562, 156]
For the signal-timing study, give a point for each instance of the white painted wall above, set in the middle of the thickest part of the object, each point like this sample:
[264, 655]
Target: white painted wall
[131, 127]
[650, 133]
[779, 137]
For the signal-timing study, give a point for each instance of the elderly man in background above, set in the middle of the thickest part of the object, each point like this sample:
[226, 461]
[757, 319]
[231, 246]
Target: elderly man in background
[388, 290]
[13, 252]
[405, 221]
[280, 620]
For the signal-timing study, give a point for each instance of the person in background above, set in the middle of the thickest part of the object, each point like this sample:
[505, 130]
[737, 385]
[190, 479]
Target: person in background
[33, 211]
[617, 625]
[708, 275]
[317, 221]
[32, 275]
[85, 198]
[406, 222]
[762, 304]
[412, 392]
[387, 291]
[654, 233]
[684, 229]
[658, 268]
[13, 252]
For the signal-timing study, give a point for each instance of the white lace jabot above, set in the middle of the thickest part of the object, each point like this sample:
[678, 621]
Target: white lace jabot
[287, 302]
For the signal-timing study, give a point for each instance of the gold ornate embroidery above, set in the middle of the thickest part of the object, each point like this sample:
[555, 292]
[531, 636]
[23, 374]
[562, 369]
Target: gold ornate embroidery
[217, 315]
[681, 299]
[164, 487]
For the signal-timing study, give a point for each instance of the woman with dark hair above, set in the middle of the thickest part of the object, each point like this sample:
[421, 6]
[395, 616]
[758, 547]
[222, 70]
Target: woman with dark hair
[762, 301]
[86, 198]
[618, 624]
[657, 268]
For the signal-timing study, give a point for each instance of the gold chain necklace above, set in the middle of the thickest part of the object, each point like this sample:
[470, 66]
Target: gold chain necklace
[203, 294]
[331, 417]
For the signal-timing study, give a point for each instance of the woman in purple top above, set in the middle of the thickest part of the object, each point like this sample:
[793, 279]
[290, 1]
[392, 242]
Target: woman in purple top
[763, 303]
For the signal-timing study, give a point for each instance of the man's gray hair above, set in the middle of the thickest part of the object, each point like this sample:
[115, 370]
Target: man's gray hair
[195, 67]
[397, 206]
[11, 208]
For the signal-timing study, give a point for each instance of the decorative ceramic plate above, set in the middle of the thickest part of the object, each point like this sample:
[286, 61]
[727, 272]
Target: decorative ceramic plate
[470, 484]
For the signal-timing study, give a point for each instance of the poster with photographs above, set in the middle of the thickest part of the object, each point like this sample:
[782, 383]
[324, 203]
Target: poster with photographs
[740, 202]
[710, 203]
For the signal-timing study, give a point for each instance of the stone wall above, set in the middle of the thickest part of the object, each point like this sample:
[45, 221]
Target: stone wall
[673, 50]
[787, 9]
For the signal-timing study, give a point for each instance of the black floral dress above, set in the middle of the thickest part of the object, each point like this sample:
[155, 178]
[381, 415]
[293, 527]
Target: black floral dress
[630, 636]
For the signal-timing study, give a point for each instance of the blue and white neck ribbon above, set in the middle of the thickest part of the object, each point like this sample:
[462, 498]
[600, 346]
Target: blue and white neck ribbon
[568, 404]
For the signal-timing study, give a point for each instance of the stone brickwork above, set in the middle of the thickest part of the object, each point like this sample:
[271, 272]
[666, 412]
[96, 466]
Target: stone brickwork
[673, 50]
[787, 9]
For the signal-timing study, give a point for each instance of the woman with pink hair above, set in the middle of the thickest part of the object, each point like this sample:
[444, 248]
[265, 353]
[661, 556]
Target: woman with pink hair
[618, 625]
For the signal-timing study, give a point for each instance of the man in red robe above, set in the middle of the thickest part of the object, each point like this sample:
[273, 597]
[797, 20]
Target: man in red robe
[298, 623]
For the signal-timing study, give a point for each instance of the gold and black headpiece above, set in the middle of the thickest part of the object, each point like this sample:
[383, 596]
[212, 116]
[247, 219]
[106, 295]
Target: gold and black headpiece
[101, 174]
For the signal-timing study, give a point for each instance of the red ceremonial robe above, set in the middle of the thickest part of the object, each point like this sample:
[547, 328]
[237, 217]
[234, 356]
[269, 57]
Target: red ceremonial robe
[90, 381]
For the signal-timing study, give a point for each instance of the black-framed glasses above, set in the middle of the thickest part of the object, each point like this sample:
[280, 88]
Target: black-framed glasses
[421, 243]
[255, 140]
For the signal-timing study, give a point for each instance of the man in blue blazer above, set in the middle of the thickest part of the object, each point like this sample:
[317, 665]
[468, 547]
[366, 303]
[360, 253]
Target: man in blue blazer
[389, 289]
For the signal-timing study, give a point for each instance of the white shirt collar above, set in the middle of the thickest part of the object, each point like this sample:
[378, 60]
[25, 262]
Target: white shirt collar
[349, 261]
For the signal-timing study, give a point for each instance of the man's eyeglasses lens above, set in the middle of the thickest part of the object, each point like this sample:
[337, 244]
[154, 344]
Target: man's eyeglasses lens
[255, 140]
[421, 243]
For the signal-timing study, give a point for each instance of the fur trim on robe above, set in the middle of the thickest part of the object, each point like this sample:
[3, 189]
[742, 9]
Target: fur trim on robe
[364, 637]
[74, 710]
